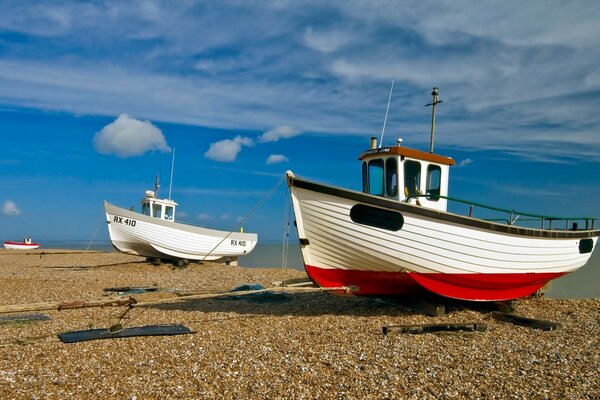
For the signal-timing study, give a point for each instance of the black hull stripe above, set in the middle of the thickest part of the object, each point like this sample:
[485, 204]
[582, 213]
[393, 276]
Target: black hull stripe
[439, 215]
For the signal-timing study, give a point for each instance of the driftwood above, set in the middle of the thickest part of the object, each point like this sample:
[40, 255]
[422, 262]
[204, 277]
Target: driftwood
[67, 305]
[430, 328]
[528, 322]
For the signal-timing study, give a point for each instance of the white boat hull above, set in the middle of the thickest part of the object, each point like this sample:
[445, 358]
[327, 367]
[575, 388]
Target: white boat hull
[21, 246]
[448, 254]
[135, 233]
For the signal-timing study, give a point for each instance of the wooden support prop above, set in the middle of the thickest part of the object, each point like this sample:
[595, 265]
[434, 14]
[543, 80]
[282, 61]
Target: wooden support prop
[431, 328]
[428, 308]
[528, 322]
[67, 305]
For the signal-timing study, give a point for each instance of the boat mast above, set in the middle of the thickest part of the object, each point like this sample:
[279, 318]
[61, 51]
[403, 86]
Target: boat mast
[172, 165]
[435, 102]
[386, 113]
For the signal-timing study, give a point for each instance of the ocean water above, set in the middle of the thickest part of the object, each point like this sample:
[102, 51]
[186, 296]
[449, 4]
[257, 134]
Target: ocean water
[581, 284]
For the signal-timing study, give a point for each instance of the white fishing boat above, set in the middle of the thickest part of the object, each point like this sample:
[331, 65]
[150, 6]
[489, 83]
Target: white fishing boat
[26, 244]
[396, 237]
[154, 233]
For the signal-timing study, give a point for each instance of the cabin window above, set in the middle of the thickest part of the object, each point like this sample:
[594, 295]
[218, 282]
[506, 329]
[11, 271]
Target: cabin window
[376, 177]
[391, 177]
[169, 213]
[365, 178]
[145, 209]
[412, 177]
[157, 210]
[434, 179]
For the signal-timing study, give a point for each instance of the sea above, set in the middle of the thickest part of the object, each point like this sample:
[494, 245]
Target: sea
[581, 284]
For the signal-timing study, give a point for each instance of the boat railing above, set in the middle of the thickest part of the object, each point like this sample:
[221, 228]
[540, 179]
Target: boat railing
[513, 216]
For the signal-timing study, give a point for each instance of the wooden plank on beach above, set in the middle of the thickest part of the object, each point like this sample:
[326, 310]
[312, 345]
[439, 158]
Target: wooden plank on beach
[148, 330]
[23, 318]
[67, 305]
[528, 322]
[431, 328]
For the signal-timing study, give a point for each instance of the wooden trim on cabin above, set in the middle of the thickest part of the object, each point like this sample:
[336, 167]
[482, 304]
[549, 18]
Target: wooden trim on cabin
[439, 215]
[405, 151]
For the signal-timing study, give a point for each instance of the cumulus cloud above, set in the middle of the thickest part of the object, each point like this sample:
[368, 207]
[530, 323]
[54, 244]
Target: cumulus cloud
[128, 137]
[204, 217]
[276, 158]
[228, 149]
[10, 209]
[182, 214]
[465, 162]
[279, 132]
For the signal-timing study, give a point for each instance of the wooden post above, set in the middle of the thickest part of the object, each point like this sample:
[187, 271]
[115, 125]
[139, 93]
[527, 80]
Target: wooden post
[430, 328]
[524, 321]
[67, 305]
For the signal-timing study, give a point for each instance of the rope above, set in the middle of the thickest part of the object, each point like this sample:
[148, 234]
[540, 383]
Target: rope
[95, 231]
[260, 203]
[345, 289]
[286, 228]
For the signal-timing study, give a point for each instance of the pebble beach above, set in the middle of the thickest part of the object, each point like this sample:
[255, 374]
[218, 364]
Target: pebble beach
[288, 345]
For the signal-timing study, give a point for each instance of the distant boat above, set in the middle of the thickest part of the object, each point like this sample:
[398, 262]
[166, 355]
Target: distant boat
[154, 233]
[396, 237]
[26, 244]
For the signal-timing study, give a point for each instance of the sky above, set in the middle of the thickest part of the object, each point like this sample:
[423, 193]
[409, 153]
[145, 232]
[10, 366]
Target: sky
[95, 96]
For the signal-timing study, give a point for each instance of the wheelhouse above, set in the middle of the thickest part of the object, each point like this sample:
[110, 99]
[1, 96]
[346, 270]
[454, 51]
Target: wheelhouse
[158, 208]
[407, 175]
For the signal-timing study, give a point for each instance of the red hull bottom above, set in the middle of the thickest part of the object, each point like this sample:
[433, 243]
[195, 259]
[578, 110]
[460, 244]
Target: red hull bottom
[479, 287]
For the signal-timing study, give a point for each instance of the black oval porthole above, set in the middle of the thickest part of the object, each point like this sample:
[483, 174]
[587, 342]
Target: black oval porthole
[376, 217]
[586, 246]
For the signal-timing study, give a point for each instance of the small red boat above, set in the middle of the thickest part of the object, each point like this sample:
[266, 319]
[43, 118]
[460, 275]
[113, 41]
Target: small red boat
[26, 244]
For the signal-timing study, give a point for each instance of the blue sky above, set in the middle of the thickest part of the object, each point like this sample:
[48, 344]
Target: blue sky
[95, 95]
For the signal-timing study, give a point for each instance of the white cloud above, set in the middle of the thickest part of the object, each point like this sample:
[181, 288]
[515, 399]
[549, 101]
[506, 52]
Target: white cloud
[182, 214]
[465, 162]
[326, 42]
[204, 217]
[9, 208]
[127, 137]
[279, 132]
[228, 149]
[315, 75]
[276, 158]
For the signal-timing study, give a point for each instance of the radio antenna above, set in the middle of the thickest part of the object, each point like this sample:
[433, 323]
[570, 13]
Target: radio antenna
[386, 114]
[172, 165]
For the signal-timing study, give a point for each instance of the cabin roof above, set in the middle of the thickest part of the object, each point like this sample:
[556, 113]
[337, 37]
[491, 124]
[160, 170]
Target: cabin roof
[407, 152]
[159, 201]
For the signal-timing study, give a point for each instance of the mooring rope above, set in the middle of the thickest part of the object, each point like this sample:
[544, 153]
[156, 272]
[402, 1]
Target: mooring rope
[95, 231]
[286, 228]
[248, 214]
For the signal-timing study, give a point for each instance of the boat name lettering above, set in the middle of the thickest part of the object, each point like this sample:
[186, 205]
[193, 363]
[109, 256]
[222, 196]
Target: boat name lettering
[378, 151]
[125, 221]
[238, 242]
